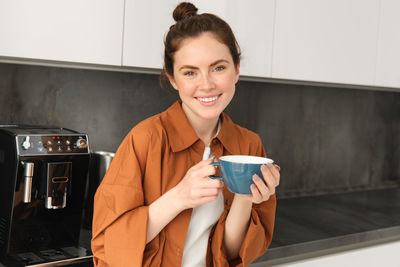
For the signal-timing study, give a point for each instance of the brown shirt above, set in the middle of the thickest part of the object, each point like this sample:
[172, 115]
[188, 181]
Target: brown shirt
[152, 159]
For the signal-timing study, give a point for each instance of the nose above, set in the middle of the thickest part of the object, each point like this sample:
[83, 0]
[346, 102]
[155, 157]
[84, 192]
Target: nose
[207, 82]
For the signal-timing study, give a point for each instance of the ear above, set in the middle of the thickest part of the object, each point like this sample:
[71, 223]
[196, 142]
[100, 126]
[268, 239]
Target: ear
[172, 81]
[237, 72]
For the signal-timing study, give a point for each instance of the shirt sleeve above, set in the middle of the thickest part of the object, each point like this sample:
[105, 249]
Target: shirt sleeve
[259, 233]
[120, 216]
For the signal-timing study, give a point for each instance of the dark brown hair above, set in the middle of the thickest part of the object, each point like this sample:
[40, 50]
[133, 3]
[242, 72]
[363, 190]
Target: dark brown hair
[190, 24]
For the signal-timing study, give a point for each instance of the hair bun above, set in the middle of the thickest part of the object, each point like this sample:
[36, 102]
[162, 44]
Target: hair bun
[184, 10]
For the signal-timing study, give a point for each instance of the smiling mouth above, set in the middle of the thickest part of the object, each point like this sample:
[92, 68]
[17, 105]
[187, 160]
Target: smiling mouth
[207, 99]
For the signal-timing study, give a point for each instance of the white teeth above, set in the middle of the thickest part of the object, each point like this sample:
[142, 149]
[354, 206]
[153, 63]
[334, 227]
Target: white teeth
[207, 99]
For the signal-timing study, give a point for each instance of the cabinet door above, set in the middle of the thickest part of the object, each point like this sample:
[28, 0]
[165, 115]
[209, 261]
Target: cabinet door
[252, 23]
[146, 24]
[326, 40]
[388, 57]
[78, 31]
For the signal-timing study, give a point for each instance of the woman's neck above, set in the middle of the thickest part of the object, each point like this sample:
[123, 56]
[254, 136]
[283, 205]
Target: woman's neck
[206, 129]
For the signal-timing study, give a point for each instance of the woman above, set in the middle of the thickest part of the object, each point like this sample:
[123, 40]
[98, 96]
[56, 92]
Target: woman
[157, 205]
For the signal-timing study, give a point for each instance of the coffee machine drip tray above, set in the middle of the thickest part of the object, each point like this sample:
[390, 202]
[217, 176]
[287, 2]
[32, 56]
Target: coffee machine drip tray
[50, 257]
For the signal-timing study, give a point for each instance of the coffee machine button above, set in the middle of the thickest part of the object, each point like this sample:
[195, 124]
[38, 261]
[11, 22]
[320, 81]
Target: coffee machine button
[59, 149]
[67, 142]
[81, 143]
[49, 142]
[50, 149]
[26, 144]
[68, 148]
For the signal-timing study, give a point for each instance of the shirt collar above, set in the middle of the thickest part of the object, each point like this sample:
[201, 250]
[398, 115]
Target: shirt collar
[227, 135]
[181, 134]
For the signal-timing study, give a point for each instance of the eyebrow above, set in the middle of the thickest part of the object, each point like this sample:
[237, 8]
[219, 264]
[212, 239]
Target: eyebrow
[211, 65]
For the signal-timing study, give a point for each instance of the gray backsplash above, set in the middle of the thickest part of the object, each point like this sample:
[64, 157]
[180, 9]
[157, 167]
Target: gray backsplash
[325, 139]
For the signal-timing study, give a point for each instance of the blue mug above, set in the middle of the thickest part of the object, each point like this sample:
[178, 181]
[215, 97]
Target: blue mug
[237, 171]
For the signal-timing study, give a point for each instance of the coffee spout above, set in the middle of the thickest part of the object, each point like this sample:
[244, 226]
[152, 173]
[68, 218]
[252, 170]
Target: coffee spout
[28, 174]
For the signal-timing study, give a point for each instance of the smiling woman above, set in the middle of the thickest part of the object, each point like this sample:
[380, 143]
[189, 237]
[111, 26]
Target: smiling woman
[157, 205]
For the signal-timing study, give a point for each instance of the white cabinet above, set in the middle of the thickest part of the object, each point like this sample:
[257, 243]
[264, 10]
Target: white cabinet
[388, 56]
[326, 41]
[331, 41]
[147, 22]
[253, 25]
[379, 255]
[87, 31]
[253, 22]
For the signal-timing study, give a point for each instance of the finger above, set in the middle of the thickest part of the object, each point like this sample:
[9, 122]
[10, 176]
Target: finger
[257, 198]
[208, 161]
[269, 177]
[202, 163]
[261, 186]
[271, 184]
[273, 169]
[208, 170]
[209, 192]
[277, 181]
[203, 171]
[276, 173]
[211, 183]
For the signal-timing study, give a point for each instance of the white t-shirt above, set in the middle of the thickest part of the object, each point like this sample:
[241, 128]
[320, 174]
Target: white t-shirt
[202, 220]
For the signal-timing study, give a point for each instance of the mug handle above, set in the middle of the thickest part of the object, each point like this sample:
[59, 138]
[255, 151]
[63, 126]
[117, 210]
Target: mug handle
[216, 164]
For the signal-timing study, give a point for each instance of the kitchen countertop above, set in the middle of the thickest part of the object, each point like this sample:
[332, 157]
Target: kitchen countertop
[316, 225]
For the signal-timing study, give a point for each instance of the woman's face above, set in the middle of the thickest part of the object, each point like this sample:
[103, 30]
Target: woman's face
[205, 76]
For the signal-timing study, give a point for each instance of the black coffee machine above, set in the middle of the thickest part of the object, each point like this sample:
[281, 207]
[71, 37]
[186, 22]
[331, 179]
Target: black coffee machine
[43, 176]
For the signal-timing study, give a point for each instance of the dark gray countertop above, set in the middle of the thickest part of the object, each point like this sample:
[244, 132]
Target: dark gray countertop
[317, 225]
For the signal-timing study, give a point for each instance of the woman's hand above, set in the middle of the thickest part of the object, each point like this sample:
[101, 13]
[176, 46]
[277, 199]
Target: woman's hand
[196, 188]
[238, 218]
[262, 191]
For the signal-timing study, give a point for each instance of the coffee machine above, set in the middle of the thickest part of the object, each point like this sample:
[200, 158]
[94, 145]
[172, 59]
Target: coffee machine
[43, 176]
